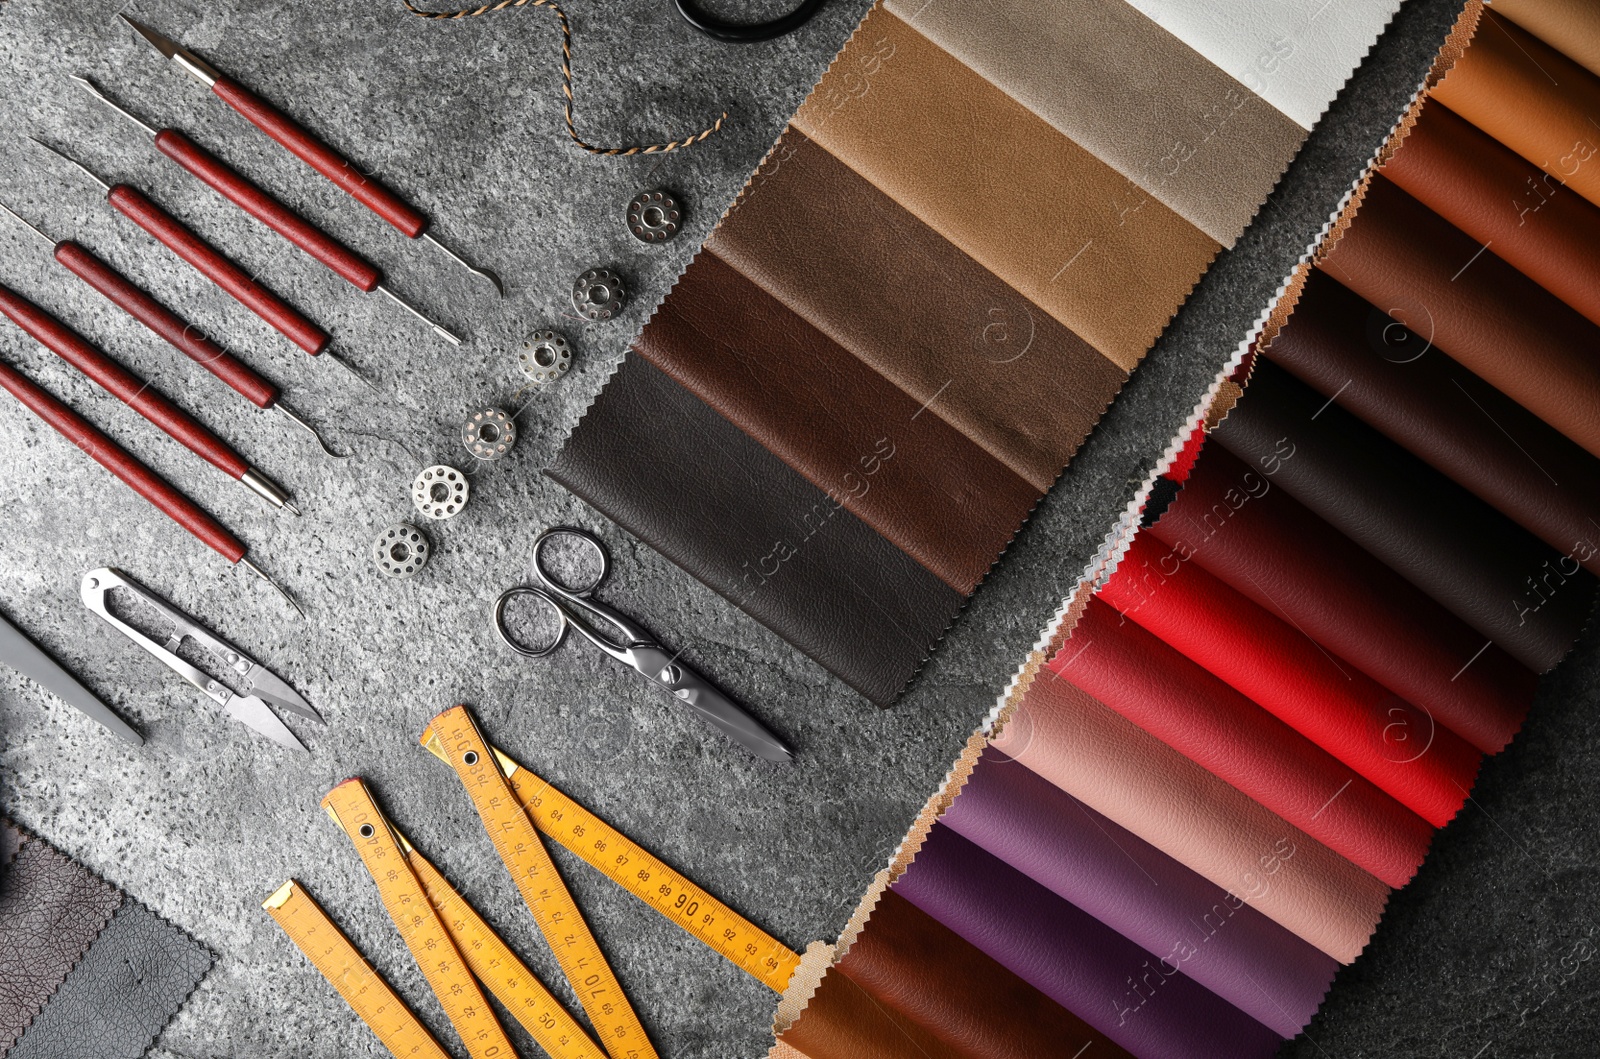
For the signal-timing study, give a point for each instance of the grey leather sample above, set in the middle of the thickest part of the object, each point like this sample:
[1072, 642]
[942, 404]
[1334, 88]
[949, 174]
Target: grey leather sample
[670, 470]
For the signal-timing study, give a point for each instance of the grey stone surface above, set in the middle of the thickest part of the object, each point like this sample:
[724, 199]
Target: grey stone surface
[463, 118]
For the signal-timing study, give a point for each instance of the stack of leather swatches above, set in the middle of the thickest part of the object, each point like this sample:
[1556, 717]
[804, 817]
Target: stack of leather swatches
[1247, 727]
[930, 291]
[86, 972]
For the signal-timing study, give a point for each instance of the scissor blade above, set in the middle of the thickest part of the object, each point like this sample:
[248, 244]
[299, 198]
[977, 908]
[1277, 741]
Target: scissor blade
[259, 715]
[21, 654]
[709, 702]
[268, 685]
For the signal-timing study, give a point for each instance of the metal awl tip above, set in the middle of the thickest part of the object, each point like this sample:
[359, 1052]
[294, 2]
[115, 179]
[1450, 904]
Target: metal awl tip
[94, 90]
[345, 364]
[253, 568]
[85, 170]
[414, 311]
[28, 223]
[313, 431]
[169, 48]
[488, 274]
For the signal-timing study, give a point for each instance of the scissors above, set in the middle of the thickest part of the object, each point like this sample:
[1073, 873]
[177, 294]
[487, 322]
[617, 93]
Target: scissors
[633, 647]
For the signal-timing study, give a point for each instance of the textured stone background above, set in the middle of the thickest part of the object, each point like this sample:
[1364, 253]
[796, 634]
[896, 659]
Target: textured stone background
[463, 119]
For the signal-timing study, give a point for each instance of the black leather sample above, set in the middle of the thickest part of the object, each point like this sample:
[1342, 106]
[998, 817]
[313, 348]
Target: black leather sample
[670, 470]
[128, 986]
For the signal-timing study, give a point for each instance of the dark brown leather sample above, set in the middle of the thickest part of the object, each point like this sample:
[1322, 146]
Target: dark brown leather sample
[1497, 577]
[863, 270]
[1417, 267]
[852, 433]
[669, 469]
[944, 994]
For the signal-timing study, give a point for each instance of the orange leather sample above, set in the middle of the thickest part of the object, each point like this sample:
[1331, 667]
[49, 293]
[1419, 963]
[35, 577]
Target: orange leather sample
[1092, 248]
[1570, 26]
[881, 283]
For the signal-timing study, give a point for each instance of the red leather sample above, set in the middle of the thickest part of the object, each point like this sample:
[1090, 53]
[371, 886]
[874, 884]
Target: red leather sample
[1154, 686]
[1546, 231]
[856, 436]
[1436, 409]
[1235, 522]
[1420, 763]
[1496, 576]
[1442, 283]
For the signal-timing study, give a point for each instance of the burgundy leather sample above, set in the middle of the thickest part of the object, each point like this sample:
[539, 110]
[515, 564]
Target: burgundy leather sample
[1542, 229]
[909, 988]
[1209, 934]
[1235, 522]
[1445, 285]
[1500, 579]
[1157, 688]
[853, 434]
[1126, 992]
[670, 470]
[873, 277]
[1436, 409]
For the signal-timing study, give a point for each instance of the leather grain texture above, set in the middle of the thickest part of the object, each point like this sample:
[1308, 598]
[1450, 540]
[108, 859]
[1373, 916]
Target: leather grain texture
[130, 984]
[1430, 405]
[1233, 521]
[1150, 683]
[51, 910]
[852, 433]
[1492, 573]
[1090, 247]
[1140, 892]
[1128, 91]
[1125, 773]
[1570, 26]
[867, 273]
[667, 468]
[1417, 267]
[1124, 991]
[10, 843]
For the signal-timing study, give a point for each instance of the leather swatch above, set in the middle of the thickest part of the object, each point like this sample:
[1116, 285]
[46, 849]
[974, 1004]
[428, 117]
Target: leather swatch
[1124, 991]
[849, 431]
[1392, 744]
[51, 910]
[1206, 146]
[1417, 267]
[1493, 574]
[1140, 892]
[1086, 244]
[1151, 684]
[1233, 521]
[882, 284]
[843, 1021]
[1125, 773]
[1437, 410]
[1502, 200]
[1570, 26]
[10, 842]
[670, 470]
[130, 984]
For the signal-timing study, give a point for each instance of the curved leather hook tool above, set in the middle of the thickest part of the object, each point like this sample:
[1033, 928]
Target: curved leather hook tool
[746, 33]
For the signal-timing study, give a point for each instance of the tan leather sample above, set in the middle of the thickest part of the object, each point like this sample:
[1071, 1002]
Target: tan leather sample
[1134, 95]
[1570, 26]
[1089, 246]
[897, 466]
[884, 285]
[1531, 98]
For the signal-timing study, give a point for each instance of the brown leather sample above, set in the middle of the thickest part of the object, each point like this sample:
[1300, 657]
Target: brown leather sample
[852, 433]
[1498, 578]
[871, 276]
[1437, 410]
[1531, 98]
[1205, 145]
[666, 467]
[1570, 26]
[1417, 267]
[1089, 246]
[1469, 178]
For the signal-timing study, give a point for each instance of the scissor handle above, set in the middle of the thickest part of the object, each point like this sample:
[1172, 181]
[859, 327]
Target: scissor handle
[511, 641]
[550, 582]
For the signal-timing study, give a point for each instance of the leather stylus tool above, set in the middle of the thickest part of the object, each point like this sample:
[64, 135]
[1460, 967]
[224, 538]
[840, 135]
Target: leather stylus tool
[23, 655]
[310, 150]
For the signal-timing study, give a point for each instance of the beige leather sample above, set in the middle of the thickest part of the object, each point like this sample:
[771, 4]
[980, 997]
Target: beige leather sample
[1134, 95]
[1572, 27]
[1089, 246]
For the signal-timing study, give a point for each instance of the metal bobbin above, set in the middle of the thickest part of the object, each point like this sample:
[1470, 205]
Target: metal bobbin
[400, 551]
[545, 357]
[440, 492]
[489, 434]
[654, 217]
[598, 294]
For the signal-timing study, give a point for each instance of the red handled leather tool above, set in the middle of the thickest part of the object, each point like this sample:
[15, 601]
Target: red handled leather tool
[139, 395]
[260, 204]
[310, 150]
[181, 335]
[135, 475]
